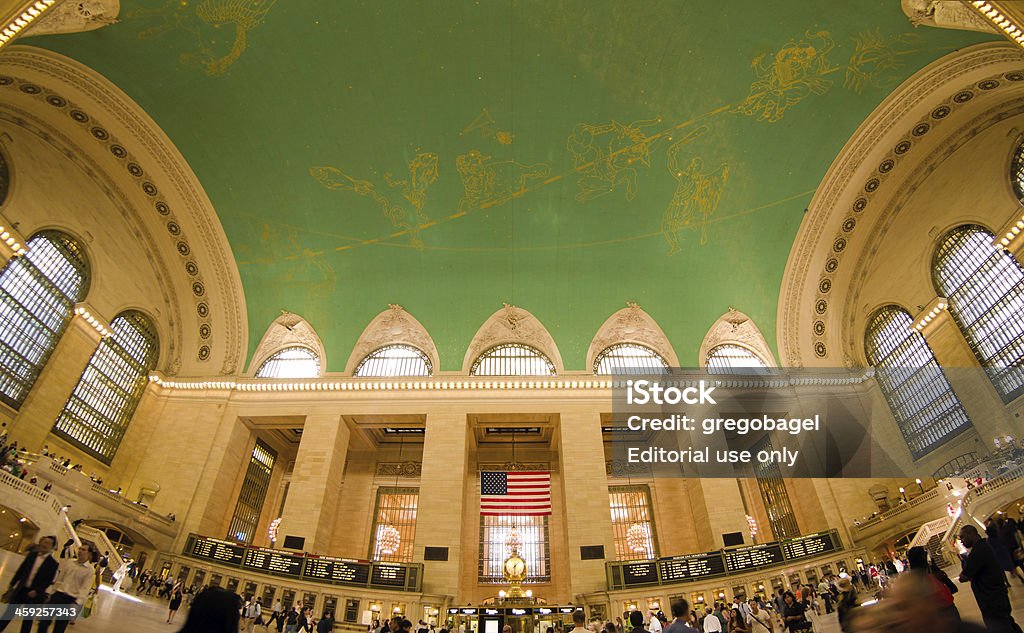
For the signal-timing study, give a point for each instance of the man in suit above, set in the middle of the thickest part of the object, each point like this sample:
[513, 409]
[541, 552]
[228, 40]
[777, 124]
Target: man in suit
[30, 582]
[988, 581]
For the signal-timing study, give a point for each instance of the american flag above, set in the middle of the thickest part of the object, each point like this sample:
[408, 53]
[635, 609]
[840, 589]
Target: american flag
[524, 493]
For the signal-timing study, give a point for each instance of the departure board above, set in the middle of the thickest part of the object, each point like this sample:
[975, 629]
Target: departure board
[808, 546]
[753, 557]
[338, 570]
[217, 550]
[273, 561]
[691, 567]
[643, 573]
[384, 575]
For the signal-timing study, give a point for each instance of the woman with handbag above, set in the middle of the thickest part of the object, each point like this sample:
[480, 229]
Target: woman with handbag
[75, 582]
[793, 614]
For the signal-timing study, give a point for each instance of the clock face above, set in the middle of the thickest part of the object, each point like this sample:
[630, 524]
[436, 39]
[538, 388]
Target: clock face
[515, 566]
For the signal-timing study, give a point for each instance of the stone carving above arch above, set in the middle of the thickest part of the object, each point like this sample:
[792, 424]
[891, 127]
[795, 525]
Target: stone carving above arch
[631, 325]
[76, 16]
[736, 328]
[287, 330]
[512, 324]
[945, 14]
[391, 327]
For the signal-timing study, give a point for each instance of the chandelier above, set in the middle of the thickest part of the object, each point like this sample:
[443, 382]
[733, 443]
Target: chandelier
[388, 539]
[513, 541]
[636, 538]
[273, 529]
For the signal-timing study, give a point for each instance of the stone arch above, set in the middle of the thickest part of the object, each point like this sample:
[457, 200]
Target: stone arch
[392, 326]
[512, 324]
[287, 330]
[631, 324]
[736, 328]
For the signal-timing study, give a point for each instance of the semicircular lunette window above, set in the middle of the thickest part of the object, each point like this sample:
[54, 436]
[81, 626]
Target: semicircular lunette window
[394, 361]
[512, 359]
[291, 362]
[727, 358]
[1017, 172]
[629, 358]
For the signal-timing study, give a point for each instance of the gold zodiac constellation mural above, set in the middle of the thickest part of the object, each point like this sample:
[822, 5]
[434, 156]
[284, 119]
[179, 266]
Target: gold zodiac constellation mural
[605, 156]
[793, 73]
[877, 59]
[484, 125]
[697, 194]
[293, 263]
[208, 20]
[486, 182]
[422, 174]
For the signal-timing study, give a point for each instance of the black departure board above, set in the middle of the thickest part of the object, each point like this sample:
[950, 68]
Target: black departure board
[273, 561]
[643, 573]
[808, 546]
[337, 570]
[217, 550]
[384, 575]
[691, 567]
[753, 557]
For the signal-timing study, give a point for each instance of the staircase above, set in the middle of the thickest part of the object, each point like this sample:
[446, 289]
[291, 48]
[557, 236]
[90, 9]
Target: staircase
[930, 537]
[42, 507]
[980, 502]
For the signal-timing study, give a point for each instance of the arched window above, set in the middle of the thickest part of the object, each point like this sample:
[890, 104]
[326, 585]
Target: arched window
[512, 359]
[985, 288]
[291, 362]
[1017, 172]
[100, 408]
[629, 358]
[38, 293]
[394, 360]
[724, 358]
[927, 411]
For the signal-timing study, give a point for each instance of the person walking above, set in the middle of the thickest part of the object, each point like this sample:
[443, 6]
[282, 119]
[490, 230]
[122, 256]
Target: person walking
[681, 618]
[31, 580]
[174, 604]
[75, 581]
[988, 582]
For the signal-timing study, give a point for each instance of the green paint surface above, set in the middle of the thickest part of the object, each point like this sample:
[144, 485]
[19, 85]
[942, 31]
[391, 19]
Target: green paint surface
[563, 117]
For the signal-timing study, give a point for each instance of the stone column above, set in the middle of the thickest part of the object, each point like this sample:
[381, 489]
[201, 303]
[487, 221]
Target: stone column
[969, 381]
[312, 501]
[53, 386]
[585, 490]
[718, 509]
[444, 480]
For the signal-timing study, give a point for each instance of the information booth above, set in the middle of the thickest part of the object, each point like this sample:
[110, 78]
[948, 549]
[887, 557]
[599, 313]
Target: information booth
[522, 619]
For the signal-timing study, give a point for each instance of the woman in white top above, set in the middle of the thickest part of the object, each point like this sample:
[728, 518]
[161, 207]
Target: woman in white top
[76, 579]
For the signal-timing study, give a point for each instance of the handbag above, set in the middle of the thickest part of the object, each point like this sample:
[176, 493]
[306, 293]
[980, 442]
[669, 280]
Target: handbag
[90, 603]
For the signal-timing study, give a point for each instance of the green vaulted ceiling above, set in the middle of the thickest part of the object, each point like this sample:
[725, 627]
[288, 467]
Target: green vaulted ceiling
[565, 157]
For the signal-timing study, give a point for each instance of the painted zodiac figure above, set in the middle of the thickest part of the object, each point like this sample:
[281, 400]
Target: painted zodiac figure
[605, 156]
[876, 60]
[244, 15]
[485, 182]
[422, 174]
[696, 197]
[795, 72]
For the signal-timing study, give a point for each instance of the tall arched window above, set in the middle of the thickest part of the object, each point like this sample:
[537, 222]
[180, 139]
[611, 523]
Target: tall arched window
[629, 358]
[1017, 172]
[724, 358]
[922, 401]
[512, 359]
[394, 360]
[38, 293]
[291, 362]
[100, 408]
[985, 288]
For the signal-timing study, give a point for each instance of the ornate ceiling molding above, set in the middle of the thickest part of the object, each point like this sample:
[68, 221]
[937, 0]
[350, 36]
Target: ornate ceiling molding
[390, 327]
[76, 16]
[736, 328]
[847, 199]
[631, 325]
[287, 330]
[166, 181]
[945, 14]
[512, 324]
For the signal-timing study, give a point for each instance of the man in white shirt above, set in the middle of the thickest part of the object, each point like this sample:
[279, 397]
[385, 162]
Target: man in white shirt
[711, 622]
[654, 625]
[76, 579]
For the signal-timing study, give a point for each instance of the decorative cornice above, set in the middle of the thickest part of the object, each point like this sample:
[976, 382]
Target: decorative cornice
[511, 467]
[623, 468]
[410, 470]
